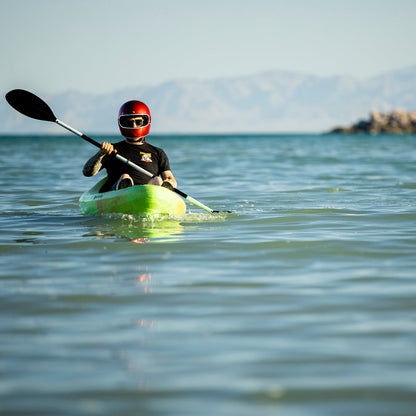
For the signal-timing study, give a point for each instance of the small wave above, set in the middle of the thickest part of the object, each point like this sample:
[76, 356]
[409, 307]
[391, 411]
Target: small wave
[407, 185]
[317, 189]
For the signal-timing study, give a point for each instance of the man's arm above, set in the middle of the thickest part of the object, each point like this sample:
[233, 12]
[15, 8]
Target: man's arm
[94, 164]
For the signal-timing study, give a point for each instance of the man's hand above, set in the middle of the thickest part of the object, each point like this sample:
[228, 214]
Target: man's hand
[167, 185]
[107, 148]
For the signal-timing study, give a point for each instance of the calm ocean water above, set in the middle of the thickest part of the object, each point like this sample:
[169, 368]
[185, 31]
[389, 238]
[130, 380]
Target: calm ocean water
[301, 302]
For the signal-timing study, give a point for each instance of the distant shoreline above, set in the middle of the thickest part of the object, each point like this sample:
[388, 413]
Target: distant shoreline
[393, 122]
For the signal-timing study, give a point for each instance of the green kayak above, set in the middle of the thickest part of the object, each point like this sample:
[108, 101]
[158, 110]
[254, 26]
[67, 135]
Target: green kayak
[143, 200]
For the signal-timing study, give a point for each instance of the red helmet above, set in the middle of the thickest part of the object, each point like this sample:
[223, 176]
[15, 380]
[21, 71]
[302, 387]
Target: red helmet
[134, 119]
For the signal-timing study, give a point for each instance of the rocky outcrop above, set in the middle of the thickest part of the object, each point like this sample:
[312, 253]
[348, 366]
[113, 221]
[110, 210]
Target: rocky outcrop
[394, 122]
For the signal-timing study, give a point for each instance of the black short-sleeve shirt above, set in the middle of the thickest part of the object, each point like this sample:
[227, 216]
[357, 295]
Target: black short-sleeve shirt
[149, 157]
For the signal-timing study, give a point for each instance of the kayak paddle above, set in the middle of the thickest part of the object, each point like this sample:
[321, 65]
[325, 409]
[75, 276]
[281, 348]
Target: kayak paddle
[32, 106]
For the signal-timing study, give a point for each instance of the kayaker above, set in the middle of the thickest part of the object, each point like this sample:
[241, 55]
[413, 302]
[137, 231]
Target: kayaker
[134, 122]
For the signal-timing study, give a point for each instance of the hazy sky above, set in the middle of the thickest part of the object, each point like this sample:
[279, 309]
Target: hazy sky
[101, 45]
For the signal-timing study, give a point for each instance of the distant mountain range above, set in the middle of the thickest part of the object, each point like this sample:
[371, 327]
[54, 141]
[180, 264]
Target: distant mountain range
[274, 101]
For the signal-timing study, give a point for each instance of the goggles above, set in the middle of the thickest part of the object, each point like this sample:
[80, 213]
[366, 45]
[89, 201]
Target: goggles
[133, 121]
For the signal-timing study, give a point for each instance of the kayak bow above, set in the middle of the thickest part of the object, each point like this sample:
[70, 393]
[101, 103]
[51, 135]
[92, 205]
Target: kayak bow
[143, 200]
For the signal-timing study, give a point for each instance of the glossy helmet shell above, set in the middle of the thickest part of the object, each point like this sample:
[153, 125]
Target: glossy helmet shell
[134, 107]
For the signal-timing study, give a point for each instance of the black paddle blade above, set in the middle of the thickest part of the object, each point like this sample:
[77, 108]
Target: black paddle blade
[30, 105]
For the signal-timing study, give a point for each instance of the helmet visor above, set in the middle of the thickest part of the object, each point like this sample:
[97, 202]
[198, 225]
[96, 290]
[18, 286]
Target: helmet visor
[133, 121]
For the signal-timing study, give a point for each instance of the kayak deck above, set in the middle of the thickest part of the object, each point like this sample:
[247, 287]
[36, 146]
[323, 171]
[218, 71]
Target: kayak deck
[144, 200]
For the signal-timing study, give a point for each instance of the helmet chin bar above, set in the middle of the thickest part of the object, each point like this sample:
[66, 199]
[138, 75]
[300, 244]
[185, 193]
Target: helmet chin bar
[136, 139]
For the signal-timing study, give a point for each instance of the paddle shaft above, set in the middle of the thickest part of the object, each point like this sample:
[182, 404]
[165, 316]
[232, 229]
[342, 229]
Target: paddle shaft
[133, 165]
